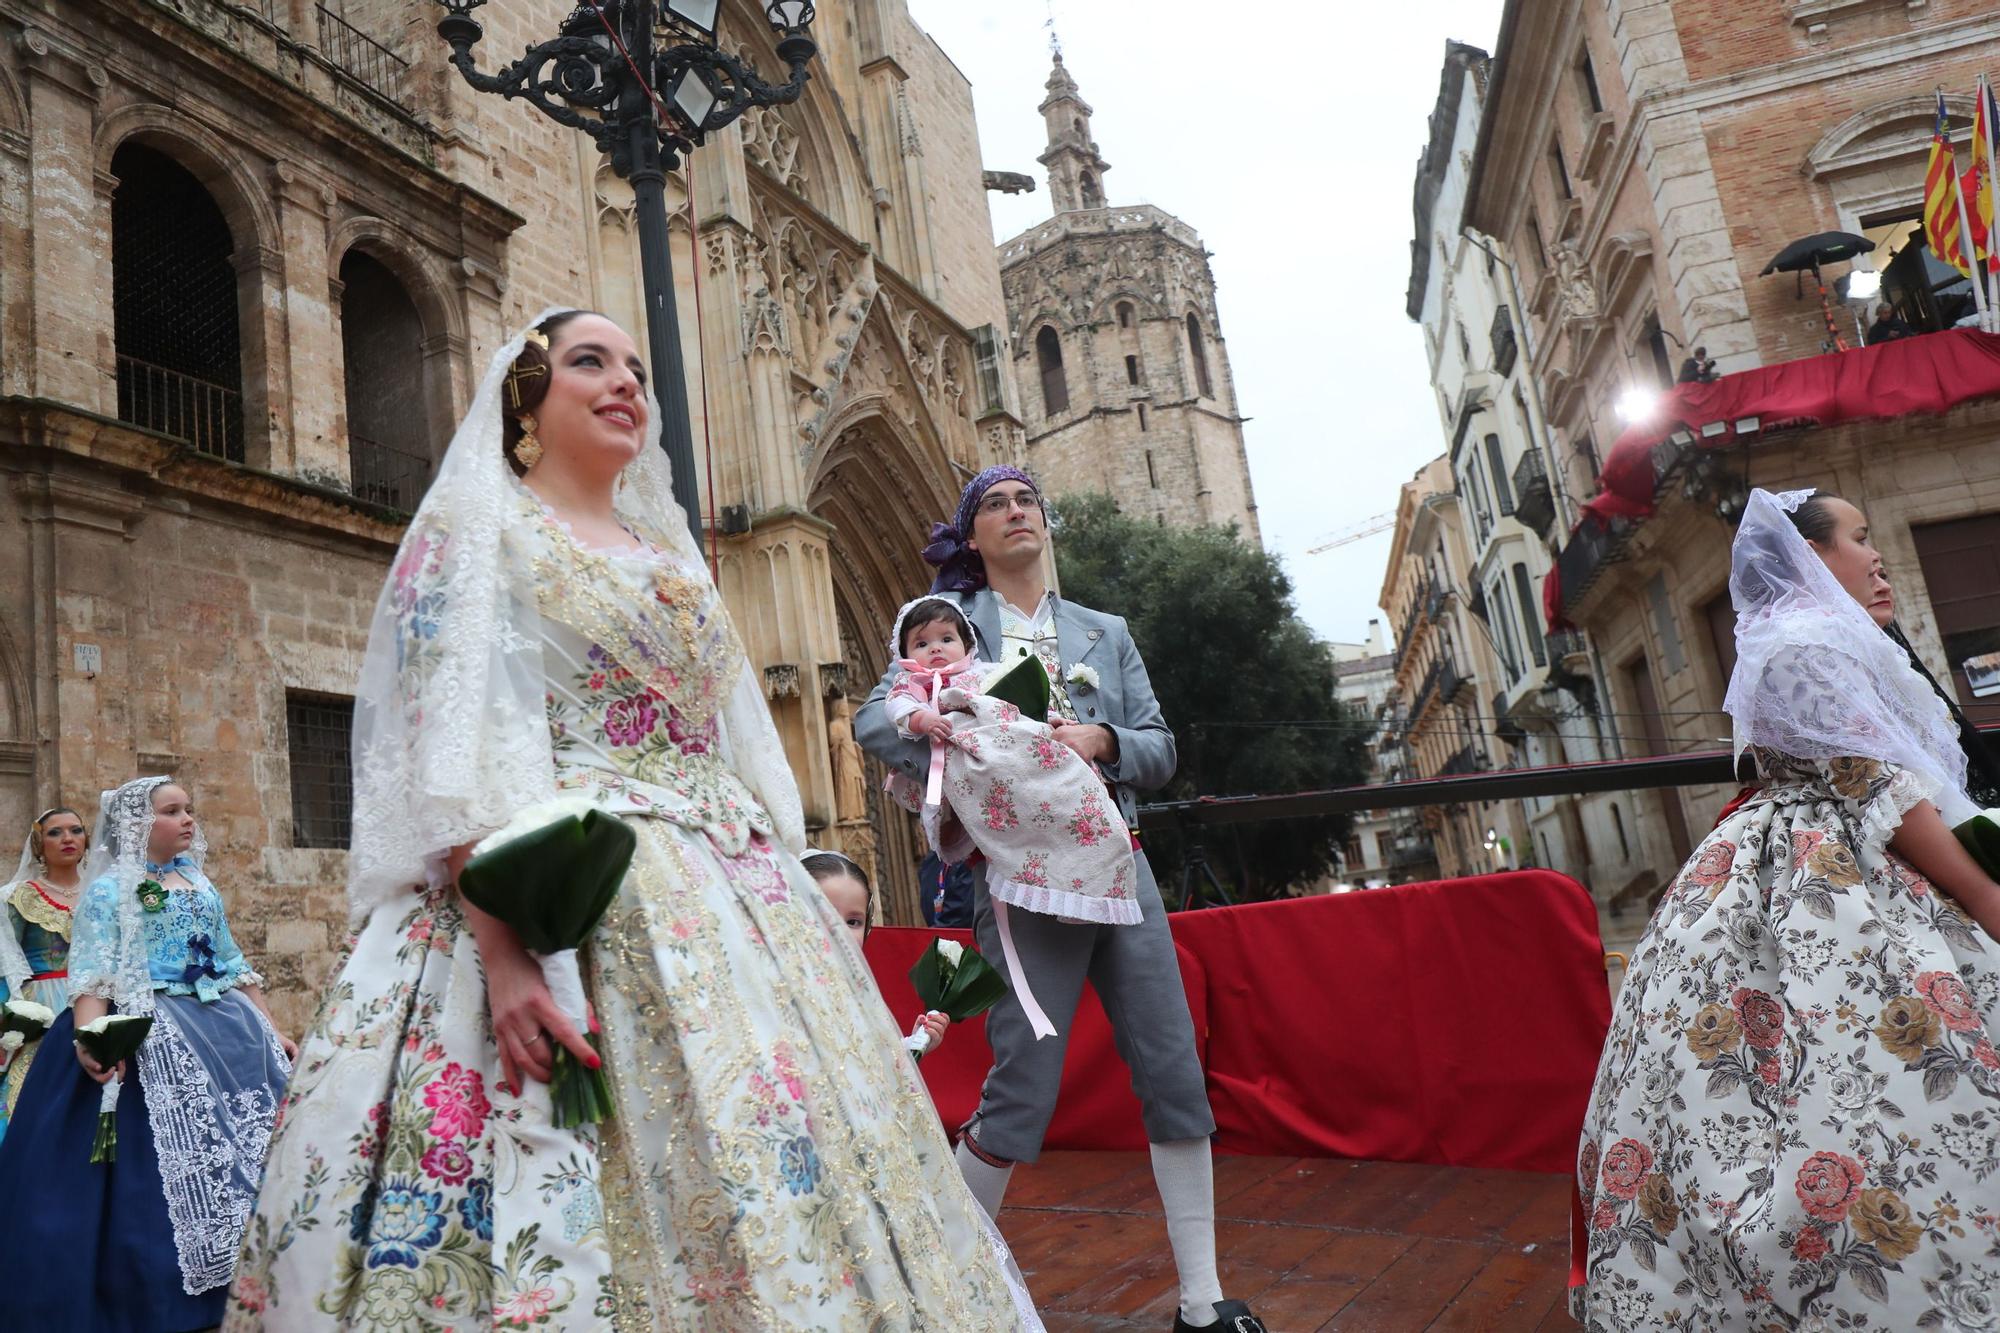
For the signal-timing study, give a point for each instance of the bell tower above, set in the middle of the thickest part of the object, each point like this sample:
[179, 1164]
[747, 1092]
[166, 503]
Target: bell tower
[1076, 172]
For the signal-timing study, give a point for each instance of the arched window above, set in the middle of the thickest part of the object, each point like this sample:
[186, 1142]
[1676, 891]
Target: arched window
[1201, 381]
[1124, 314]
[173, 297]
[1092, 196]
[1055, 387]
[381, 341]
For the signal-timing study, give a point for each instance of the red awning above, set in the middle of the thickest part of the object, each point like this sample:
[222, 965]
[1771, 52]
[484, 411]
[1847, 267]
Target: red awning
[1931, 373]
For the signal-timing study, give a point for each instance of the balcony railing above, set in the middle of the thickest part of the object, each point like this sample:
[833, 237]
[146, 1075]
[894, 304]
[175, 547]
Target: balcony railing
[1565, 644]
[1502, 334]
[207, 416]
[1534, 502]
[1466, 759]
[388, 476]
[366, 60]
[1504, 725]
[1449, 682]
[1594, 546]
[1434, 595]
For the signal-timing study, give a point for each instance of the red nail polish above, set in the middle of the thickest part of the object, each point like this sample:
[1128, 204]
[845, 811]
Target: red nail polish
[596, 1063]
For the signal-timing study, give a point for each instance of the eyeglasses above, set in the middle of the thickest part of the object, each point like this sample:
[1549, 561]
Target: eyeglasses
[1000, 503]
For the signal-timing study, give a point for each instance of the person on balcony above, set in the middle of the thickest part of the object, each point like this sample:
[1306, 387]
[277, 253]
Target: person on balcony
[1795, 1097]
[1888, 326]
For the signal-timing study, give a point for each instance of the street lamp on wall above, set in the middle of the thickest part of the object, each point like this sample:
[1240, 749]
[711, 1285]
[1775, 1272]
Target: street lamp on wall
[647, 82]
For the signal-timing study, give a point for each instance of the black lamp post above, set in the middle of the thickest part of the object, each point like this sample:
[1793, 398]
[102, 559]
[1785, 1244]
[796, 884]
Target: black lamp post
[584, 77]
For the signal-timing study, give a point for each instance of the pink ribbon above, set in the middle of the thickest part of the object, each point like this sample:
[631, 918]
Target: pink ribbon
[1018, 979]
[936, 682]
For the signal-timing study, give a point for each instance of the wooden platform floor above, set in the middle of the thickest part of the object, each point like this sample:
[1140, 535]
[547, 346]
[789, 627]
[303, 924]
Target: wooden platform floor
[1311, 1243]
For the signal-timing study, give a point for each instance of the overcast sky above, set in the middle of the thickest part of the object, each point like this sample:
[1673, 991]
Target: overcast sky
[1290, 143]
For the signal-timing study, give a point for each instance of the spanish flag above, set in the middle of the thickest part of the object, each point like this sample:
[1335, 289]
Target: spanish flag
[1941, 196]
[1978, 182]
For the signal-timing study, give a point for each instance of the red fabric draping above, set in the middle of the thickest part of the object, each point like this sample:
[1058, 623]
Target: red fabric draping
[1456, 1023]
[1932, 373]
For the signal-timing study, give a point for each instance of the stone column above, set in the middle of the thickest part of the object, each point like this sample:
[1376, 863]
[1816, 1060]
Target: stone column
[70, 343]
[309, 352]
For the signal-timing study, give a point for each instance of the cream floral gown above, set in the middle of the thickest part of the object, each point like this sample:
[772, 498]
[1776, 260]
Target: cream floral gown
[773, 1161]
[1796, 1120]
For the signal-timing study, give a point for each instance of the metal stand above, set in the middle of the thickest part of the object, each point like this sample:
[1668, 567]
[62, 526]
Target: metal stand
[1197, 865]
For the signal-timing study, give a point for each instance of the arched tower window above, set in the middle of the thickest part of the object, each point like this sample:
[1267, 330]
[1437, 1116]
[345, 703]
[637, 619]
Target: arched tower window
[1124, 314]
[1202, 383]
[381, 341]
[174, 313]
[1055, 386]
[1093, 197]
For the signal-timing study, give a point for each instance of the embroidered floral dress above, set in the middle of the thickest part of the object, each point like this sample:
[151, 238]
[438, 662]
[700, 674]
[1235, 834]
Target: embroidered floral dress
[41, 924]
[1796, 1121]
[772, 1162]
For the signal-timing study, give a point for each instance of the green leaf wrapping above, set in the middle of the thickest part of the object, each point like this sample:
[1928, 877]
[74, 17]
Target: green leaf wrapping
[1980, 837]
[117, 1042]
[966, 993]
[104, 1148]
[553, 885]
[1024, 684]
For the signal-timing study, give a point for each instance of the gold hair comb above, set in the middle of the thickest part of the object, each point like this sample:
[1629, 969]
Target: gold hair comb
[537, 337]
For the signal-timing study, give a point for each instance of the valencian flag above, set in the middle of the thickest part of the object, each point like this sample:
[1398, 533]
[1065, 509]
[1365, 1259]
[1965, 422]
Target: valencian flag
[1941, 220]
[1978, 181]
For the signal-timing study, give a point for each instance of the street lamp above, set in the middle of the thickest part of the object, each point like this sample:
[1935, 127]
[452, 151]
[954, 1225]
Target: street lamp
[600, 74]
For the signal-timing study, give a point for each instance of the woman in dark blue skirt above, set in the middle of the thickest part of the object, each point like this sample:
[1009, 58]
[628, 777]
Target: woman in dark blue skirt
[149, 1240]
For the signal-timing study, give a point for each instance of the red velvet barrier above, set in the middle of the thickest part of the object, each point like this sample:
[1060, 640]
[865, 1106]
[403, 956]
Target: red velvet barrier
[1457, 1023]
[1931, 373]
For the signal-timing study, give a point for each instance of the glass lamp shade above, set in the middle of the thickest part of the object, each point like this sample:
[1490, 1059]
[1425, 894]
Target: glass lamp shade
[697, 14]
[786, 15]
[692, 96]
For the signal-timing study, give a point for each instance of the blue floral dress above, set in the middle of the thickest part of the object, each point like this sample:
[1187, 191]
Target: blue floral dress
[773, 1161]
[150, 1239]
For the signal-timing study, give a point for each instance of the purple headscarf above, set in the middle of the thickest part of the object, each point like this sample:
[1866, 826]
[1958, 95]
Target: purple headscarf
[959, 567]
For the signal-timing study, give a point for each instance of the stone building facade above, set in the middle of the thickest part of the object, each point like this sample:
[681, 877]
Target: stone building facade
[252, 258]
[1641, 162]
[1443, 659]
[1544, 703]
[1117, 347]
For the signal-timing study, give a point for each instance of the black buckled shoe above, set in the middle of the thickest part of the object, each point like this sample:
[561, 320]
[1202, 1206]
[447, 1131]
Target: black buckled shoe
[1230, 1317]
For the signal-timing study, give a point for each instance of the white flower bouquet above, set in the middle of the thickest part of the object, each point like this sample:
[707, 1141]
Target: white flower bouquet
[956, 981]
[551, 874]
[111, 1040]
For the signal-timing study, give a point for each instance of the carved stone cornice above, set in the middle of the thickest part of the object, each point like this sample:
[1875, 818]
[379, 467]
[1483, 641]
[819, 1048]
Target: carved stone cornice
[50, 498]
[45, 57]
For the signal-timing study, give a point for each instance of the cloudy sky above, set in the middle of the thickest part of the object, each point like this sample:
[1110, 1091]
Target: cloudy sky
[1290, 144]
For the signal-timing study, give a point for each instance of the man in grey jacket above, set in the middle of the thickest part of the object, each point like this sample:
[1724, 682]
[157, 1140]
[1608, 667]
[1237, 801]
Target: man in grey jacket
[990, 561]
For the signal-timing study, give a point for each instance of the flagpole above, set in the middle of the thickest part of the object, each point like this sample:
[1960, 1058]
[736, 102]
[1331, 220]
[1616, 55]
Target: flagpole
[1992, 188]
[1968, 249]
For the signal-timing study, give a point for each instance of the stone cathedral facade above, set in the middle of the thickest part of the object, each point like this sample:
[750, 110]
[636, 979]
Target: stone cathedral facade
[1117, 347]
[254, 255]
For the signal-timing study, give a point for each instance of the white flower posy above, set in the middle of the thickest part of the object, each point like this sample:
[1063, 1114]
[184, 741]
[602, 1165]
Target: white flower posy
[1082, 675]
[951, 951]
[535, 817]
[34, 1013]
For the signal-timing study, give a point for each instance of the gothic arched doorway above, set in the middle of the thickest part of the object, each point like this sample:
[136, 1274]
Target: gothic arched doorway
[880, 490]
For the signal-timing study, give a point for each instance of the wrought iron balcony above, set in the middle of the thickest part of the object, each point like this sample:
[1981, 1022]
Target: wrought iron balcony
[1502, 335]
[1534, 502]
[207, 416]
[1466, 759]
[1504, 725]
[1593, 547]
[1449, 682]
[365, 60]
[388, 476]
[1434, 598]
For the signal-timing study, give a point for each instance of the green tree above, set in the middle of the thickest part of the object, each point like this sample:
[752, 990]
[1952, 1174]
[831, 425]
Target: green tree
[1247, 688]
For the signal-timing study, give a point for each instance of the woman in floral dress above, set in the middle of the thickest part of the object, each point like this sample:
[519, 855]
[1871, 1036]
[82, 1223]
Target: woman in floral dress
[772, 1160]
[35, 912]
[1796, 1120]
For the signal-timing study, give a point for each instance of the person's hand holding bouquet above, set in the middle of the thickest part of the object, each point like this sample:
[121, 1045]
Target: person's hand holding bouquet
[956, 981]
[550, 875]
[108, 1043]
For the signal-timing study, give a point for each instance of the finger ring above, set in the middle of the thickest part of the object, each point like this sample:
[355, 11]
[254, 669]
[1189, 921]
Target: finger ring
[532, 1040]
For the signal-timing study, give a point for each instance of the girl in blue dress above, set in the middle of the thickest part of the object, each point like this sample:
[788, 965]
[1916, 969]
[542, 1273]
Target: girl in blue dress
[150, 1239]
[35, 909]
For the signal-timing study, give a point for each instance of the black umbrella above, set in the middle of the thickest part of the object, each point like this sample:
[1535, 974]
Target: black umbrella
[1803, 256]
[1829, 247]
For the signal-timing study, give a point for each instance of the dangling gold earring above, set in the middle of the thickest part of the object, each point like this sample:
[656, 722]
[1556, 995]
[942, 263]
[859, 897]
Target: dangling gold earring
[529, 450]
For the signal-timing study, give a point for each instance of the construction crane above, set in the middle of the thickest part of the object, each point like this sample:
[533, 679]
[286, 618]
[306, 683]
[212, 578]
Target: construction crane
[1367, 527]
